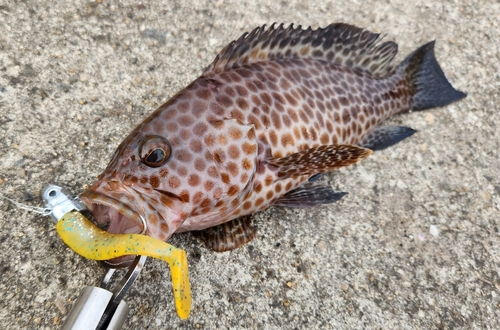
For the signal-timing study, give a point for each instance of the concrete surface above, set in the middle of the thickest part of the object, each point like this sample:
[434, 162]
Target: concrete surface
[77, 76]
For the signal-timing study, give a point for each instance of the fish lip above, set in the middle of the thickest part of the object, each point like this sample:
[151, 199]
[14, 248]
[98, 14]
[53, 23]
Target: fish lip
[92, 197]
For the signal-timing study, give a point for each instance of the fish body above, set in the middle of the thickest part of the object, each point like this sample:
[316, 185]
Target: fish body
[274, 109]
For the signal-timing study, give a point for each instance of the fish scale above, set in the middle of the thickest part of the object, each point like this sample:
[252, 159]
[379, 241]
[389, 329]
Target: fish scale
[276, 107]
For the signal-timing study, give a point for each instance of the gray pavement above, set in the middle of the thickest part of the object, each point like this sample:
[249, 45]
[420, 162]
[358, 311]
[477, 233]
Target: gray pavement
[415, 244]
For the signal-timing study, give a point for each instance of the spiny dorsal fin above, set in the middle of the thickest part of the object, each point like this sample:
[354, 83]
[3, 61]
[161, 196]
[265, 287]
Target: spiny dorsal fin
[228, 236]
[339, 43]
[317, 160]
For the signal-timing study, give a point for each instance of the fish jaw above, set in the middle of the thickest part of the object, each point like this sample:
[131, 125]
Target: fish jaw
[120, 217]
[125, 210]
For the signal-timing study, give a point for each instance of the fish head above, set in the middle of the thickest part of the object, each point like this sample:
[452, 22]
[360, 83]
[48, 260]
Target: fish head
[173, 167]
[133, 194]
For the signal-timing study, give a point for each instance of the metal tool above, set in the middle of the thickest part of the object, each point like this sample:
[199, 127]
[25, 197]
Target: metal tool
[100, 308]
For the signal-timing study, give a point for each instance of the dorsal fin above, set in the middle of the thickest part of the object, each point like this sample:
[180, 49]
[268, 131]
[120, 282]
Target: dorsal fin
[339, 43]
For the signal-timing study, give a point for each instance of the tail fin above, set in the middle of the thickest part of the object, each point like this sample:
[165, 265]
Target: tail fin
[428, 83]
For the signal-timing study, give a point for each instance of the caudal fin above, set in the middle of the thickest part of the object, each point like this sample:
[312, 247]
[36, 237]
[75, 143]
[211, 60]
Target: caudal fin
[428, 83]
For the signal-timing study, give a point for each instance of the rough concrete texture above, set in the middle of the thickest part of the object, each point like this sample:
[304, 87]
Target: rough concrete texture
[415, 244]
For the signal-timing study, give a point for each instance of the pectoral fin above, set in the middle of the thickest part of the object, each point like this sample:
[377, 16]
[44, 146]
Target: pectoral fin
[228, 236]
[317, 160]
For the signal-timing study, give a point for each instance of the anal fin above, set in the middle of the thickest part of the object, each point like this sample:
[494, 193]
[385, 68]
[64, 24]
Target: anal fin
[315, 177]
[228, 236]
[386, 136]
[318, 159]
[309, 195]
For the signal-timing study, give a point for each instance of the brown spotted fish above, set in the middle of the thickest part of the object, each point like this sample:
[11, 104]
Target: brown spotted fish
[274, 109]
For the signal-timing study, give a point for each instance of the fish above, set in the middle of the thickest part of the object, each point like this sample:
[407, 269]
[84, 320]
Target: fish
[275, 109]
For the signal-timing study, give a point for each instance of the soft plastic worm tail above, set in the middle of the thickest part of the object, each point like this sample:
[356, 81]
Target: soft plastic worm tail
[83, 237]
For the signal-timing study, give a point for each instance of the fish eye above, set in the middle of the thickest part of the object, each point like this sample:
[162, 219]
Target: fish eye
[156, 157]
[154, 150]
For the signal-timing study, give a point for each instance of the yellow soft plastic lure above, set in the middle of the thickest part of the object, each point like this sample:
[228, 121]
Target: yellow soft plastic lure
[83, 237]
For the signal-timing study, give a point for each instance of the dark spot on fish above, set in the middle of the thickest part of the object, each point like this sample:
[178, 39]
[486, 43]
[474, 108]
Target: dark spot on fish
[286, 120]
[225, 178]
[154, 181]
[304, 117]
[339, 90]
[314, 134]
[244, 73]
[305, 132]
[210, 140]
[233, 168]
[235, 77]
[251, 86]
[184, 196]
[226, 77]
[224, 100]
[198, 108]
[185, 134]
[208, 185]
[216, 109]
[274, 138]
[234, 151]
[194, 180]
[219, 156]
[186, 120]
[272, 86]
[203, 93]
[269, 195]
[291, 99]
[296, 76]
[183, 107]
[259, 85]
[172, 127]
[253, 120]
[247, 205]
[249, 148]
[261, 78]
[287, 139]
[184, 155]
[197, 197]
[242, 91]
[233, 190]
[307, 110]
[344, 101]
[196, 146]
[200, 129]
[265, 121]
[346, 116]
[256, 100]
[182, 171]
[173, 182]
[276, 119]
[237, 114]
[199, 164]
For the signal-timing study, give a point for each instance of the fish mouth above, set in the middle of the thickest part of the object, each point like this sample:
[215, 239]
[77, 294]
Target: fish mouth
[114, 215]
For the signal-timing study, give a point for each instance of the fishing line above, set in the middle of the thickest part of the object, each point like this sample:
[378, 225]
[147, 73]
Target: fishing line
[40, 210]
